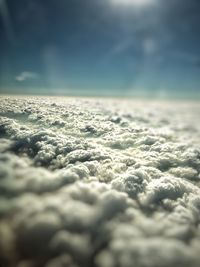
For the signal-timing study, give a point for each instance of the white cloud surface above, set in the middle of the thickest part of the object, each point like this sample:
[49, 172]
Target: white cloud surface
[103, 183]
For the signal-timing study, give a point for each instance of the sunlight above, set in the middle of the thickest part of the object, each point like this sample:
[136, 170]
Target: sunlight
[133, 2]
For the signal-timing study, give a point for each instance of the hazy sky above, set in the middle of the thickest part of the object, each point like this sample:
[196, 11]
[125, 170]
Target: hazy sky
[113, 47]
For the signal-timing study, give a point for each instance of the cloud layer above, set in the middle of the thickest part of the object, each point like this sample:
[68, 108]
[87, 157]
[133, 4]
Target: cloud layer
[100, 183]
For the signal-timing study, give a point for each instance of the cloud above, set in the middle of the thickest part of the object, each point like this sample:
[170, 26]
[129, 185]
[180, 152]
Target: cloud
[61, 261]
[26, 75]
[131, 183]
[77, 245]
[86, 182]
[147, 253]
[166, 188]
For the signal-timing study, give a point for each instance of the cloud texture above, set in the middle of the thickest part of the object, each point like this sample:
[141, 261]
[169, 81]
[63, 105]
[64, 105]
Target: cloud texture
[99, 183]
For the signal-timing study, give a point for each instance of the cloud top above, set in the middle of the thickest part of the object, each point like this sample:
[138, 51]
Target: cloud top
[102, 183]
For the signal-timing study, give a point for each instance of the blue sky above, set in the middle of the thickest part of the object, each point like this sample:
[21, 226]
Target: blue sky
[100, 47]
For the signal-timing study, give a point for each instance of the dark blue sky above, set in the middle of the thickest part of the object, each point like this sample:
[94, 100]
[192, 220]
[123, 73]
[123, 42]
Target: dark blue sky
[100, 47]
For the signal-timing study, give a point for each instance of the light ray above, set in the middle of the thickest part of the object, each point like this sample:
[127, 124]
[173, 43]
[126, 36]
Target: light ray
[4, 13]
[133, 2]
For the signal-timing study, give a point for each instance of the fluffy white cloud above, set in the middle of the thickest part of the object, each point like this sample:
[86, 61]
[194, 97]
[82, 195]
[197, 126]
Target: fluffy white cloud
[86, 182]
[148, 253]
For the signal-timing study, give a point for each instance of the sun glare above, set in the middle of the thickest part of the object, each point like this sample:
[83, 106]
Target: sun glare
[133, 2]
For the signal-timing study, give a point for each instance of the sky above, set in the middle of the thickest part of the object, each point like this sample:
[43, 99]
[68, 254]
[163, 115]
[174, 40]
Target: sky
[100, 47]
